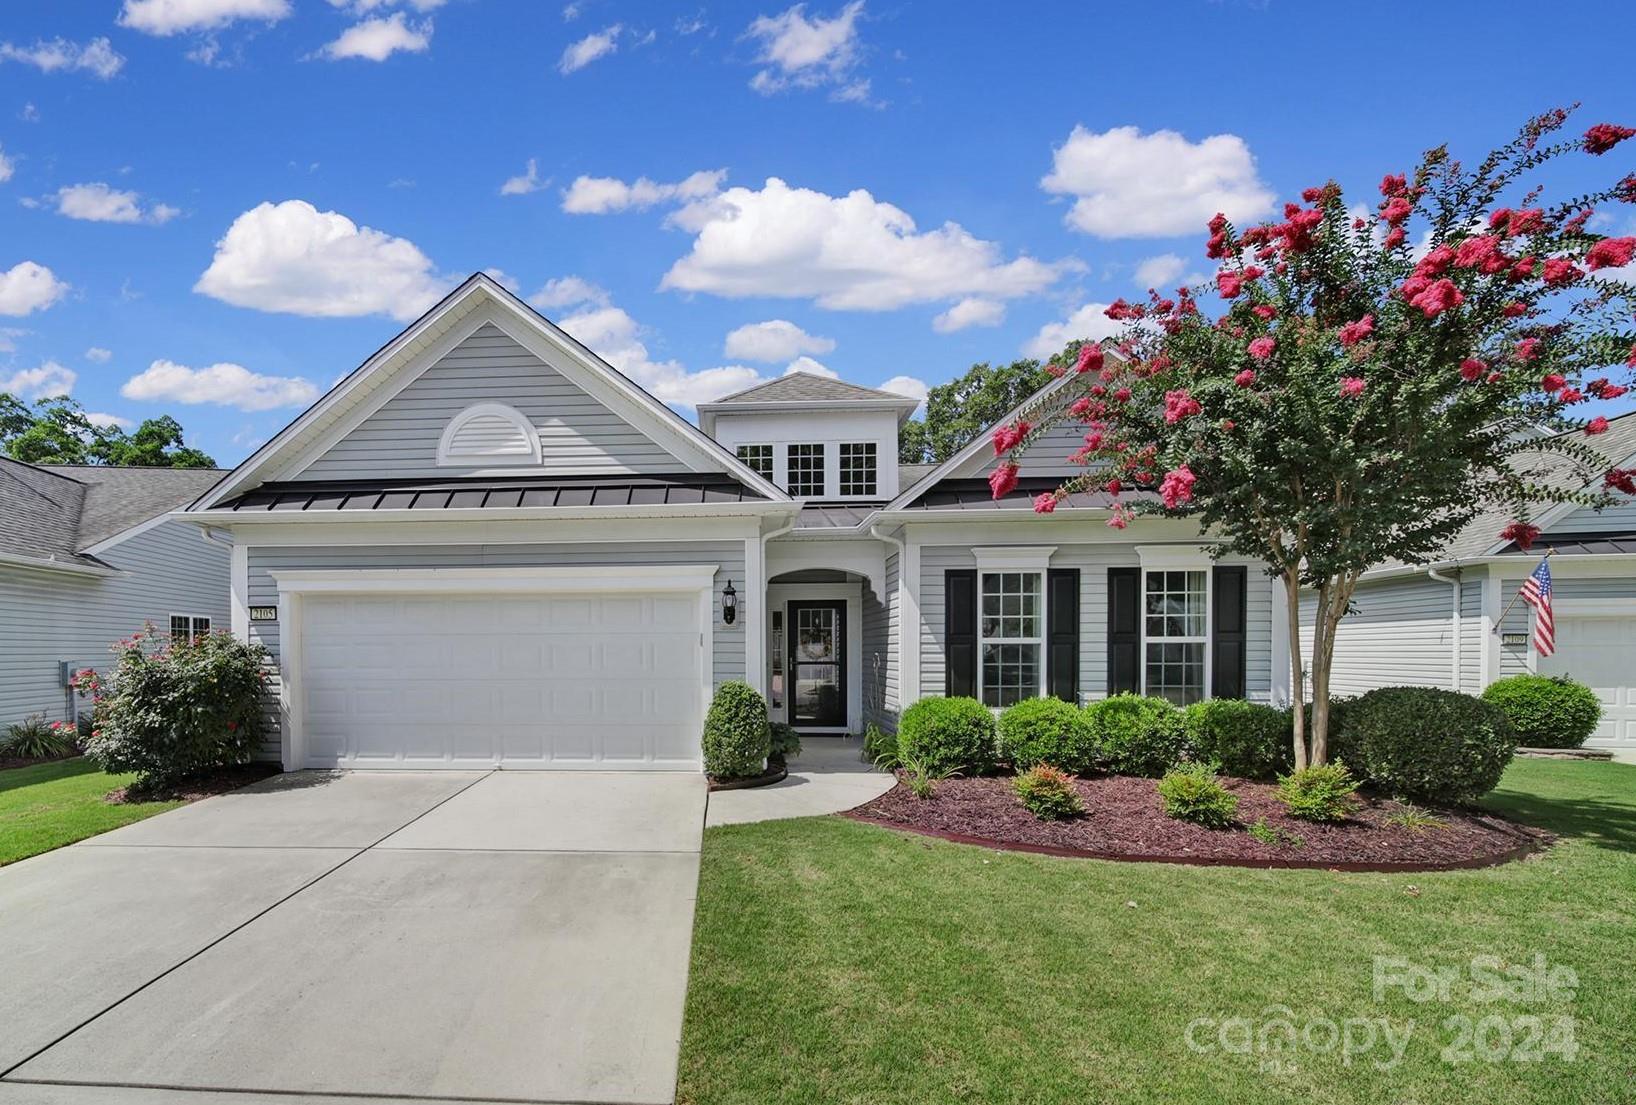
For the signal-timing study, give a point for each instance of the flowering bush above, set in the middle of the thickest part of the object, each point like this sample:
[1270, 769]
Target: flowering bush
[176, 708]
[1371, 383]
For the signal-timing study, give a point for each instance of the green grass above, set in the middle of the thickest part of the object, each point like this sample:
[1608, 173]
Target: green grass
[835, 962]
[49, 805]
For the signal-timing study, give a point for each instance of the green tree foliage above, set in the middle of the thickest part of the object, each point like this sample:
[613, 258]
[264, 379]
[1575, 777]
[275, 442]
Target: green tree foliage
[57, 431]
[960, 410]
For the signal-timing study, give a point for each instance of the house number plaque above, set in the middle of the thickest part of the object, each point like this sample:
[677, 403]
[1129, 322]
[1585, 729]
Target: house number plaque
[264, 613]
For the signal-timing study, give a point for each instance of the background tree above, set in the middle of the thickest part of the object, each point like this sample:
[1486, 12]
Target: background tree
[959, 411]
[57, 431]
[1373, 384]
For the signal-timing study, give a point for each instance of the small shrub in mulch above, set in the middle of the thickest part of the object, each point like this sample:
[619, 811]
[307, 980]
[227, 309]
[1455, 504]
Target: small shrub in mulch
[205, 784]
[1048, 793]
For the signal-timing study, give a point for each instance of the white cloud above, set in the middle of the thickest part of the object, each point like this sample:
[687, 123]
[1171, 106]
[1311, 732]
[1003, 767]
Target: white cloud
[847, 252]
[774, 340]
[811, 368]
[504, 279]
[364, 7]
[7, 166]
[971, 311]
[1088, 322]
[569, 291]
[59, 55]
[379, 38]
[600, 195]
[617, 338]
[522, 185]
[98, 203]
[808, 53]
[8, 338]
[907, 385]
[1127, 184]
[29, 113]
[588, 49]
[98, 355]
[1156, 272]
[293, 258]
[108, 421]
[571, 12]
[28, 287]
[224, 385]
[169, 17]
[50, 378]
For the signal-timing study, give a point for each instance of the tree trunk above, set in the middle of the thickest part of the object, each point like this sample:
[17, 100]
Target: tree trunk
[1292, 588]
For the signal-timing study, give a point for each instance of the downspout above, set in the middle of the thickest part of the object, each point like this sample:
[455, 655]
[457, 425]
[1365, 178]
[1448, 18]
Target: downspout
[1455, 621]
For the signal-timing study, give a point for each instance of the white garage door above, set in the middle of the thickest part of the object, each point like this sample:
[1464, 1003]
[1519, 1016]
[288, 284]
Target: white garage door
[578, 680]
[1601, 653]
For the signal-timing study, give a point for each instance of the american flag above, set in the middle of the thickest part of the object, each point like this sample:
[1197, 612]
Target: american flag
[1536, 592]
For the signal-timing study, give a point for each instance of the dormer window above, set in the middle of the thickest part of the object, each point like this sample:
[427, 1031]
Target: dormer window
[758, 458]
[858, 468]
[806, 471]
[489, 435]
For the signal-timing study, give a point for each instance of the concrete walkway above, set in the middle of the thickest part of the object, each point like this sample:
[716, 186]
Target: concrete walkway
[829, 776]
[393, 935]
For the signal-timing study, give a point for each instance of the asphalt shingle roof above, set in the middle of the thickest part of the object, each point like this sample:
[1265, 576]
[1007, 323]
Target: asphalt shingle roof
[804, 387]
[57, 511]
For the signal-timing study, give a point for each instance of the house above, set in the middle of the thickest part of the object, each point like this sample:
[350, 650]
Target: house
[486, 546]
[88, 555]
[1456, 623]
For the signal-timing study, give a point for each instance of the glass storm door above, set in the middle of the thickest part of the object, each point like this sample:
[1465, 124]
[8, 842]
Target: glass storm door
[817, 644]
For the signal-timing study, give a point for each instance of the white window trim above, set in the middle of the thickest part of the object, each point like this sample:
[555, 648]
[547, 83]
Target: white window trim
[772, 456]
[489, 460]
[840, 470]
[192, 621]
[1013, 558]
[1039, 642]
[1196, 564]
[829, 457]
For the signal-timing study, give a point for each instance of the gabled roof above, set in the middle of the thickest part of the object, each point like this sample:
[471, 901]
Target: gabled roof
[807, 387]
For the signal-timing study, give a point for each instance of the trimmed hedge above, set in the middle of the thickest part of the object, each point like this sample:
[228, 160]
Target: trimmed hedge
[737, 736]
[1547, 711]
[1137, 735]
[1427, 745]
[948, 734]
[1245, 739]
[1047, 731]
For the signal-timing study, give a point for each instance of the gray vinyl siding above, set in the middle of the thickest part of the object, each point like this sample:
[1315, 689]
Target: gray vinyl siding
[881, 647]
[1048, 456]
[1514, 658]
[1093, 562]
[1619, 518]
[46, 616]
[727, 661]
[1401, 635]
[577, 433]
[1472, 638]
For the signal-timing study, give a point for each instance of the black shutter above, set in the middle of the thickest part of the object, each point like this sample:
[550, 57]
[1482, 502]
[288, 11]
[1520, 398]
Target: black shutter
[1124, 629]
[960, 633]
[1228, 640]
[1062, 622]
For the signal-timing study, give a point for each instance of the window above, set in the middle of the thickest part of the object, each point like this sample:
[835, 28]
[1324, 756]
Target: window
[184, 627]
[758, 458]
[858, 468]
[1175, 630]
[1010, 635]
[806, 477]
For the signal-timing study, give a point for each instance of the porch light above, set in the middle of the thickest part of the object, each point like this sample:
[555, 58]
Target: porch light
[729, 604]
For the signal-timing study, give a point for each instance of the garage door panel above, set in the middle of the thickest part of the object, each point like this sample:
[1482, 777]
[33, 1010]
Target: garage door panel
[1601, 653]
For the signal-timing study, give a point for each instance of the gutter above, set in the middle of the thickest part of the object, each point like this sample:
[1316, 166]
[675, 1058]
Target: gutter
[1432, 572]
[753, 508]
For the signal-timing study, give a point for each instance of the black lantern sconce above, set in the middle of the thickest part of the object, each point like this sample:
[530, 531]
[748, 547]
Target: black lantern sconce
[729, 604]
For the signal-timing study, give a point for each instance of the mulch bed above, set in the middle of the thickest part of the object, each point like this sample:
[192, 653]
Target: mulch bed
[206, 785]
[773, 774]
[1126, 820]
[9, 762]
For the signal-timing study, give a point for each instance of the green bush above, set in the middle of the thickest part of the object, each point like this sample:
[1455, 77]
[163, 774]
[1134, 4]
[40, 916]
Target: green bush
[1547, 711]
[737, 736]
[948, 734]
[1048, 793]
[1192, 792]
[34, 739]
[1247, 739]
[1319, 793]
[177, 708]
[1136, 735]
[1046, 731]
[784, 742]
[1427, 745]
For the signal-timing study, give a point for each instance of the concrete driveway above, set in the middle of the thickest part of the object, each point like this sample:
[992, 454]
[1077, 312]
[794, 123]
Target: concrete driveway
[514, 936]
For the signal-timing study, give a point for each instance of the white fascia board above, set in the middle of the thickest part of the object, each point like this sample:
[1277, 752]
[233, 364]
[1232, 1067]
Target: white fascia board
[1156, 557]
[1013, 558]
[709, 412]
[608, 578]
[49, 564]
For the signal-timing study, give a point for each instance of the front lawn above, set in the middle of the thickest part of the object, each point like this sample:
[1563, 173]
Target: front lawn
[839, 962]
[49, 805]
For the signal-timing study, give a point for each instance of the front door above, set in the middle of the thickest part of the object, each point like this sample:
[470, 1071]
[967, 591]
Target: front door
[817, 660]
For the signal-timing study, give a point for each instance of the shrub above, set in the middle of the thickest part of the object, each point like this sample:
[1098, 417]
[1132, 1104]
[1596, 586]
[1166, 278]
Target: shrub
[176, 708]
[948, 734]
[1247, 739]
[1048, 793]
[33, 739]
[1318, 793]
[1046, 731]
[1547, 711]
[737, 737]
[1136, 735]
[922, 777]
[1192, 792]
[1427, 745]
[784, 742]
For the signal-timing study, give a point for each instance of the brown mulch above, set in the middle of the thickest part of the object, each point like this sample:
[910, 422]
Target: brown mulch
[1126, 820]
[9, 762]
[205, 785]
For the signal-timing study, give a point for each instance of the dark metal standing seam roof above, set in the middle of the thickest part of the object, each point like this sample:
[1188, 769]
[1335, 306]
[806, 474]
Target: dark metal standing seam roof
[1578, 544]
[973, 494]
[581, 491]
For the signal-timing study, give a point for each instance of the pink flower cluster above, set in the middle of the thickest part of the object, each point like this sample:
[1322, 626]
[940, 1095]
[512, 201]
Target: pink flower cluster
[1611, 253]
[1354, 332]
[1179, 405]
[1261, 348]
[1620, 479]
[1007, 438]
[1352, 386]
[1176, 489]
[1522, 533]
[1090, 358]
[1003, 480]
[1604, 136]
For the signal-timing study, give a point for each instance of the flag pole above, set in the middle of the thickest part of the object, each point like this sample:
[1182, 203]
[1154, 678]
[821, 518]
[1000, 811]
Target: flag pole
[1499, 622]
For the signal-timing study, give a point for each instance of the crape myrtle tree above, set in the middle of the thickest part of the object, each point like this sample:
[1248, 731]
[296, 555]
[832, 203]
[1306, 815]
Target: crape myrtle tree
[1372, 381]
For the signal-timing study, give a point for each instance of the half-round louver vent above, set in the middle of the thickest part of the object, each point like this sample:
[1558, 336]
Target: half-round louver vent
[489, 434]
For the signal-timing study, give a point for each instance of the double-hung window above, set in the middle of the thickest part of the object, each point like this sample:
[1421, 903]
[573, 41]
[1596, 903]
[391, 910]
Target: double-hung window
[806, 471]
[1010, 636]
[858, 468]
[184, 627]
[758, 458]
[1175, 633]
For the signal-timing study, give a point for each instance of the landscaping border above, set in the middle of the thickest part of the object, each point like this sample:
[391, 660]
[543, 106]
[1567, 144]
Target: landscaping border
[765, 779]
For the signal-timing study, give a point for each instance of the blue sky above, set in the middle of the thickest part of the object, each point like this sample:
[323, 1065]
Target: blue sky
[239, 200]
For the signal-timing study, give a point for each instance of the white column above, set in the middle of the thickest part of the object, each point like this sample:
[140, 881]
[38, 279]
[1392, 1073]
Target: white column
[752, 615]
[239, 587]
[909, 622]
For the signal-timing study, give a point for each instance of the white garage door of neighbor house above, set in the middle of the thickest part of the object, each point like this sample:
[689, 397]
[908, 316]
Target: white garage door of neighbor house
[1601, 653]
[577, 680]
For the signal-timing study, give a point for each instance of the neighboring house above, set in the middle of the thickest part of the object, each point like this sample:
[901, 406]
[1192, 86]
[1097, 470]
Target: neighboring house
[88, 556]
[1435, 625]
[486, 546]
